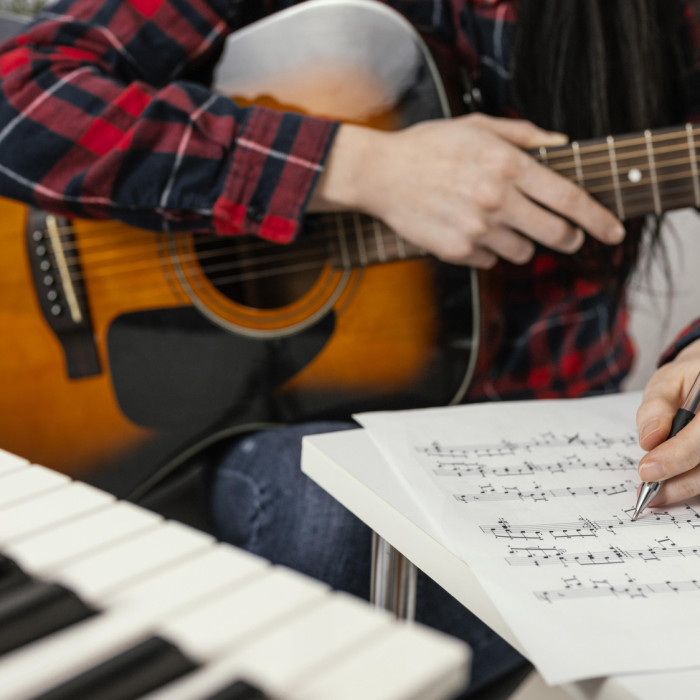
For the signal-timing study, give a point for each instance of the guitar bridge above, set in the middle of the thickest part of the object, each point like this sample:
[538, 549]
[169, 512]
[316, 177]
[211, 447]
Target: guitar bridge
[60, 290]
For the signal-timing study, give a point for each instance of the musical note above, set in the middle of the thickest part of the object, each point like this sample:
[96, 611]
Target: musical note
[515, 493]
[505, 447]
[463, 468]
[690, 518]
[627, 590]
[548, 556]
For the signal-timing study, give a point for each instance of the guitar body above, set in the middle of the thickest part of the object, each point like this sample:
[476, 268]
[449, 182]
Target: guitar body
[129, 349]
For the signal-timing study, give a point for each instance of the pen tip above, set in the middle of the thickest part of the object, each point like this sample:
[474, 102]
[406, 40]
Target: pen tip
[635, 515]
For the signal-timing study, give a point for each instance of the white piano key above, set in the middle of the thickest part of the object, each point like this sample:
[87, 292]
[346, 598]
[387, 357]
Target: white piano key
[221, 562]
[412, 662]
[47, 509]
[48, 662]
[247, 612]
[10, 462]
[284, 632]
[24, 483]
[290, 653]
[50, 549]
[115, 567]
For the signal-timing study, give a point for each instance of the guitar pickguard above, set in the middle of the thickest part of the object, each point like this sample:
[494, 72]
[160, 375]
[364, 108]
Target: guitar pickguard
[173, 368]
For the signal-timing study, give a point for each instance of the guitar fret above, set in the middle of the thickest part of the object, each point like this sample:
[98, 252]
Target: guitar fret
[693, 162]
[379, 240]
[577, 163]
[543, 155]
[344, 252]
[359, 238]
[400, 247]
[615, 178]
[652, 172]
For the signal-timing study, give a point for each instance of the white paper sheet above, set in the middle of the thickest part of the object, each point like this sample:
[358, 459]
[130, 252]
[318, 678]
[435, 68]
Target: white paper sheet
[536, 498]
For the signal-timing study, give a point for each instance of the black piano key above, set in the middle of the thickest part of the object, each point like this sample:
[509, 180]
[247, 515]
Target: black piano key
[239, 690]
[33, 610]
[11, 574]
[130, 674]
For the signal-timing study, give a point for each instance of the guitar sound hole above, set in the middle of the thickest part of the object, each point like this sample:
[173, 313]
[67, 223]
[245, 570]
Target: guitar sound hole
[258, 274]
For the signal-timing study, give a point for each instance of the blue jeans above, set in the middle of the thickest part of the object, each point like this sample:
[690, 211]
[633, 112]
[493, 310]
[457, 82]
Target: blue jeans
[262, 502]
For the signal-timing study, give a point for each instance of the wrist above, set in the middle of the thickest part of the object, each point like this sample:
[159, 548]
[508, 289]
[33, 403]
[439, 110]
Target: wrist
[342, 183]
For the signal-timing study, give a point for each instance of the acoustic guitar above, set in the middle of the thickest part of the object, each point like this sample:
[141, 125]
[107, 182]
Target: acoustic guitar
[132, 350]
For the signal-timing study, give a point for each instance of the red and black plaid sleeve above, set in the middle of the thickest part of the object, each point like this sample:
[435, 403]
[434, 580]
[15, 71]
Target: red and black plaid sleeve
[96, 121]
[688, 335]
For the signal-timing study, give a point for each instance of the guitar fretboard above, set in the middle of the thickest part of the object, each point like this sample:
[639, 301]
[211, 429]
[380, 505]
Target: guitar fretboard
[358, 240]
[646, 173]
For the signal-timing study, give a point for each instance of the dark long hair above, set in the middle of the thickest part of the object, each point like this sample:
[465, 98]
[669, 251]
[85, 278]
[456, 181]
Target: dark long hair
[596, 67]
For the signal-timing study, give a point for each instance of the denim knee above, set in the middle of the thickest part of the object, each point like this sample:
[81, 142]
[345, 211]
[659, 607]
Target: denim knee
[261, 501]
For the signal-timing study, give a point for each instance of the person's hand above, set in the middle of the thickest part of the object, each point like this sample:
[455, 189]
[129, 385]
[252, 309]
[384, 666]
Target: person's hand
[676, 461]
[463, 189]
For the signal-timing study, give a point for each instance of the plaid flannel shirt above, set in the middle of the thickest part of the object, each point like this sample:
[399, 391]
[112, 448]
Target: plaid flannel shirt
[100, 118]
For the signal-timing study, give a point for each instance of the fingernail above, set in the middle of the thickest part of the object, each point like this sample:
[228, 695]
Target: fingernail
[616, 233]
[558, 138]
[648, 429]
[575, 240]
[651, 471]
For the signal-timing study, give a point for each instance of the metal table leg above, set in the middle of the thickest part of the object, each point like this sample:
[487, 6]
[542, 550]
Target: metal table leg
[393, 582]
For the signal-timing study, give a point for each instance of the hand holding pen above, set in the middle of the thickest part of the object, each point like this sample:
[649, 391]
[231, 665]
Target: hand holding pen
[654, 470]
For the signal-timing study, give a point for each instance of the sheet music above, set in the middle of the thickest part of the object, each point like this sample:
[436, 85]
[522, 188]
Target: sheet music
[536, 498]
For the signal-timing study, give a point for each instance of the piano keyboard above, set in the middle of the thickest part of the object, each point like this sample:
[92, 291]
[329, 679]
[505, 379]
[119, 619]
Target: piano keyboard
[102, 599]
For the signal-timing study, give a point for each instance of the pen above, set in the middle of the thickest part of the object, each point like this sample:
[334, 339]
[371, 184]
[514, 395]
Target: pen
[683, 416]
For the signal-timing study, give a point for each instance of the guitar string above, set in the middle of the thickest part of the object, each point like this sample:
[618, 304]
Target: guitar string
[365, 230]
[225, 280]
[292, 257]
[240, 245]
[602, 145]
[620, 157]
[622, 169]
[660, 159]
[391, 247]
[319, 247]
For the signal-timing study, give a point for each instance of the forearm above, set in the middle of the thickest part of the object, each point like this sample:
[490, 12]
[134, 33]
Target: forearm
[92, 125]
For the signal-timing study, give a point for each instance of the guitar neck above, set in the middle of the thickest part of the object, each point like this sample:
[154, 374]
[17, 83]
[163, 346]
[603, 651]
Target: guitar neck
[650, 172]
[645, 173]
[358, 240]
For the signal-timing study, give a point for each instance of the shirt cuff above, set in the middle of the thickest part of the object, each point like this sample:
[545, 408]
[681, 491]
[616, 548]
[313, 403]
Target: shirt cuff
[274, 167]
[682, 340]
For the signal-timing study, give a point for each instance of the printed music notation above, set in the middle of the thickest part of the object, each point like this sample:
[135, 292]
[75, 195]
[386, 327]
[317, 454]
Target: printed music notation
[586, 527]
[504, 447]
[502, 494]
[620, 462]
[515, 493]
[629, 589]
[548, 556]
